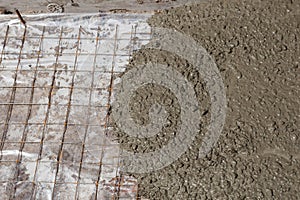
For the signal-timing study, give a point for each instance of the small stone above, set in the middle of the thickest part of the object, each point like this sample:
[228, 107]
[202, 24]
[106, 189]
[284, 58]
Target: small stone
[55, 8]
[4, 11]
[75, 4]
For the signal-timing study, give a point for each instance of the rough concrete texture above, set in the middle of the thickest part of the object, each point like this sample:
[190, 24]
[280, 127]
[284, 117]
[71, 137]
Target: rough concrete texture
[256, 47]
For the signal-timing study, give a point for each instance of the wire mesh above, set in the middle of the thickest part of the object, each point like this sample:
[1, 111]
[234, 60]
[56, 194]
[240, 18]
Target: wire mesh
[56, 88]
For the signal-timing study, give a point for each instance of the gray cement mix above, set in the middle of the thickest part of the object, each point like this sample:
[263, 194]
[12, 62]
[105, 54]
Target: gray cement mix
[256, 47]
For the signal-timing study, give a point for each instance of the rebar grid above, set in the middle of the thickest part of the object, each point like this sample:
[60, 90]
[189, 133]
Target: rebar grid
[19, 150]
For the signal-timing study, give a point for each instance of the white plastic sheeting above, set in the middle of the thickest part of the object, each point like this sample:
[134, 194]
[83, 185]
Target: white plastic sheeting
[55, 92]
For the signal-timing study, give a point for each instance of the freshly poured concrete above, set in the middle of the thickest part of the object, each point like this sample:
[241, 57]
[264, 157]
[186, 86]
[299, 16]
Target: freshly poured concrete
[256, 47]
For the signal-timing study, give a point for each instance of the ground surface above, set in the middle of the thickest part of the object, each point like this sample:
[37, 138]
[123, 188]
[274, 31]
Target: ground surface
[256, 47]
[88, 6]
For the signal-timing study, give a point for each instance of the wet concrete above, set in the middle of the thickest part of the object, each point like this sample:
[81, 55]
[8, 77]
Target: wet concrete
[256, 47]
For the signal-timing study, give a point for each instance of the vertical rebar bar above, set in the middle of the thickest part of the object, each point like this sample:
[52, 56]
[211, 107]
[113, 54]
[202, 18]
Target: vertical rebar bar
[34, 189]
[4, 44]
[60, 151]
[106, 124]
[25, 129]
[12, 96]
[88, 117]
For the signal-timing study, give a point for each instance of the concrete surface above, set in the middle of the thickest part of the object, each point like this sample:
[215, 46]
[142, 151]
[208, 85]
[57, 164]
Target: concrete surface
[256, 47]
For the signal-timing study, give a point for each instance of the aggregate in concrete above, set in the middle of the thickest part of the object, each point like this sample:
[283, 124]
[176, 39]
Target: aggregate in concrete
[256, 47]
